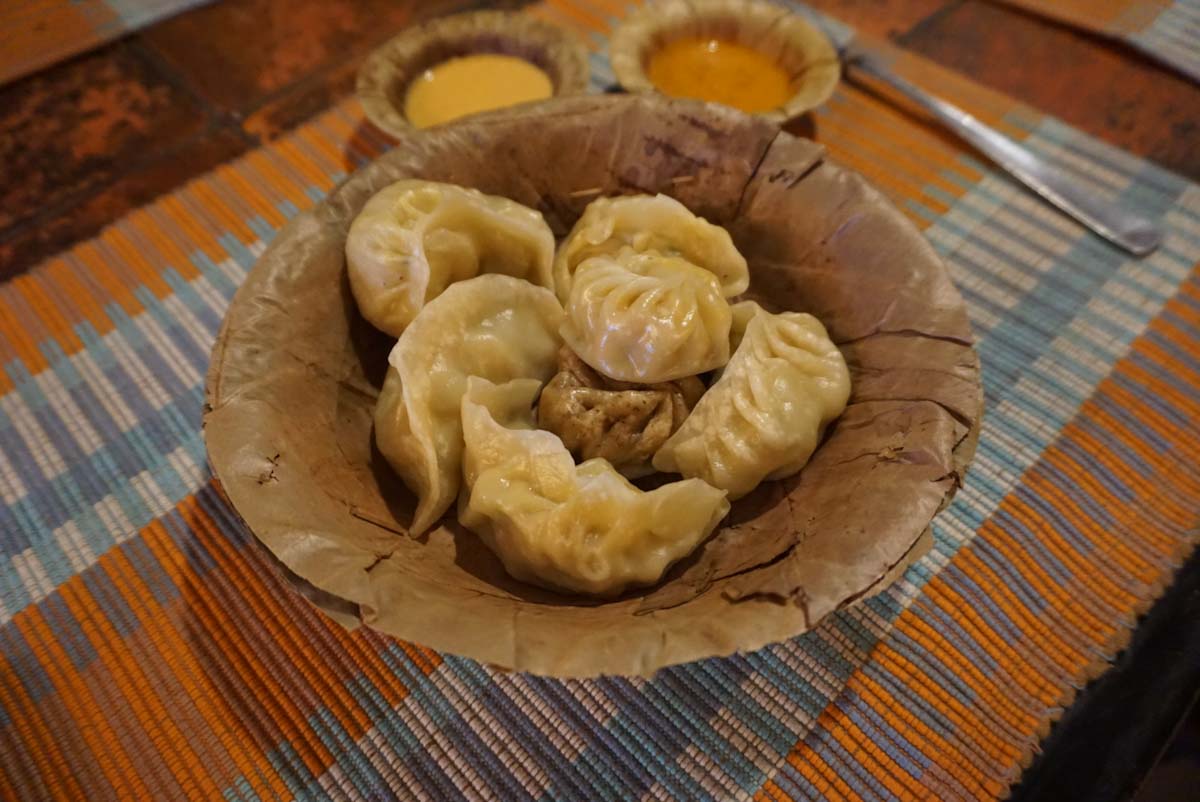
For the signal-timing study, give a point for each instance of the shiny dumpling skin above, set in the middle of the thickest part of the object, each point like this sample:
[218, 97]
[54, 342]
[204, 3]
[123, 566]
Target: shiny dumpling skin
[577, 528]
[493, 326]
[649, 223]
[646, 317]
[765, 415]
[414, 238]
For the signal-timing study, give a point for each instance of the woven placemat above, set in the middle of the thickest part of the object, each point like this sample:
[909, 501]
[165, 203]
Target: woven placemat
[149, 650]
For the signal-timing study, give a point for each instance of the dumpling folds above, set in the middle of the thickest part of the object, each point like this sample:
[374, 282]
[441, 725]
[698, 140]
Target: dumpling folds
[493, 326]
[414, 238]
[650, 223]
[765, 415]
[582, 528]
[646, 317]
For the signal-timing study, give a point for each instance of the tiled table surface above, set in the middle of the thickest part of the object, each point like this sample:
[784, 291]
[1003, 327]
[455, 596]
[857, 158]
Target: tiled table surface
[85, 141]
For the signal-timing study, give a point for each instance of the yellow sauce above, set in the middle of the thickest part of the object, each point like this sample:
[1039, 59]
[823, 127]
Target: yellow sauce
[471, 84]
[725, 72]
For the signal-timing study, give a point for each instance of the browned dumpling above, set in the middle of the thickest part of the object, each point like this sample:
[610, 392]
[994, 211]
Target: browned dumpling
[621, 422]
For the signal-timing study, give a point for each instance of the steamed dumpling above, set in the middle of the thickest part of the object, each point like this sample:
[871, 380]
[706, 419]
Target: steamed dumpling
[765, 415]
[621, 422]
[650, 223]
[646, 317]
[580, 528]
[493, 326]
[414, 238]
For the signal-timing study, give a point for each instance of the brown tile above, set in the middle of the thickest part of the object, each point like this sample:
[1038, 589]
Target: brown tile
[880, 18]
[1101, 87]
[239, 54]
[54, 230]
[301, 101]
[80, 124]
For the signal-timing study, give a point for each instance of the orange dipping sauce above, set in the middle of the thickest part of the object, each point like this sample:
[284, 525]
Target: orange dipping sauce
[721, 71]
[471, 84]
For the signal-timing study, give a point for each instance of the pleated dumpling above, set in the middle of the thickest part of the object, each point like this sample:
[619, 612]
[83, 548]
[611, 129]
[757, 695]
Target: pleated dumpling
[493, 326]
[645, 317]
[414, 238]
[649, 223]
[765, 415]
[579, 528]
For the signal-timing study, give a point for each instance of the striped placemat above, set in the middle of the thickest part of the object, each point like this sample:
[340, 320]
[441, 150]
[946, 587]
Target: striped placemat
[150, 650]
[38, 33]
[1165, 30]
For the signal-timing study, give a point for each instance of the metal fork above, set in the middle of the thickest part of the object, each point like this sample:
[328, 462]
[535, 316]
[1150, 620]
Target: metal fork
[1130, 231]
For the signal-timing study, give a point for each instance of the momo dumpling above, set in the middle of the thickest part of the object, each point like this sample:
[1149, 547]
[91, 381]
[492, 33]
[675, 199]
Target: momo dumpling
[494, 326]
[580, 528]
[765, 415]
[415, 238]
[622, 422]
[650, 223]
[646, 317]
